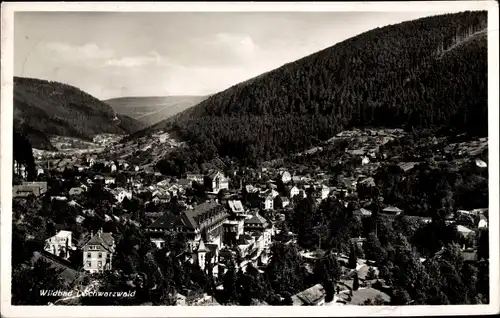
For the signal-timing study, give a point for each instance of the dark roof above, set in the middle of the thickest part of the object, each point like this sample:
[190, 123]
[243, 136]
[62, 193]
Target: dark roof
[310, 296]
[192, 216]
[361, 295]
[257, 219]
[406, 166]
[69, 274]
[167, 221]
[104, 239]
[212, 174]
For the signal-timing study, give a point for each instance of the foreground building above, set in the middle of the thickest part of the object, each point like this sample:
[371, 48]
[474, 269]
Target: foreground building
[60, 244]
[203, 222]
[98, 252]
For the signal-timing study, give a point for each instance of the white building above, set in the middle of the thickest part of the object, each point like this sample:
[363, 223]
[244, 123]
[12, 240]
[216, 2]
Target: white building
[39, 171]
[365, 160]
[285, 177]
[268, 203]
[483, 224]
[121, 194]
[60, 244]
[293, 192]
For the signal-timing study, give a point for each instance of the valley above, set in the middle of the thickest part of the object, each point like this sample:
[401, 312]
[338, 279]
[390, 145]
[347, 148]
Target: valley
[354, 176]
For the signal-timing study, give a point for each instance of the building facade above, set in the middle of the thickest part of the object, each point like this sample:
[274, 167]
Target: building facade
[98, 252]
[60, 244]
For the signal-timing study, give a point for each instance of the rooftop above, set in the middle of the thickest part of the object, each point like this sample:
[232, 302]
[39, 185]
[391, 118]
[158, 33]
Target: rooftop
[104, 239]
[63, 234]
[310, 296]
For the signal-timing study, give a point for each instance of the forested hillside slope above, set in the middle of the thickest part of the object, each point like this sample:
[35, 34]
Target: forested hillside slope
[425, 73]
[43, 108]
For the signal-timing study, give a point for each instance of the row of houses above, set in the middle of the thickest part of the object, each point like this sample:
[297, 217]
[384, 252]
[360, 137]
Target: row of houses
[97, 250]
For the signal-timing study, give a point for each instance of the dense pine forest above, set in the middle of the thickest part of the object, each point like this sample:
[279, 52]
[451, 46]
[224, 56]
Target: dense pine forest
[43, 108]
[426, 73]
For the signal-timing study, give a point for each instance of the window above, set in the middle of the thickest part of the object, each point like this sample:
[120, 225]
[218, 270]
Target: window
[99, 264]
[89, 255]
[99, 255]
[88, 264]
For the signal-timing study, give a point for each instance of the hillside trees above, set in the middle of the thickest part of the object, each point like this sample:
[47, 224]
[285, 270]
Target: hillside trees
[415, 78]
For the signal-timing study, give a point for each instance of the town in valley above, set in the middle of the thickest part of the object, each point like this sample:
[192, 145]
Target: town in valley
[355, 176]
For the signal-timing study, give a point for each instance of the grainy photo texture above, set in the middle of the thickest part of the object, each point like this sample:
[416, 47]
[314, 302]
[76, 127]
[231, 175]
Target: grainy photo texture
[250, 159]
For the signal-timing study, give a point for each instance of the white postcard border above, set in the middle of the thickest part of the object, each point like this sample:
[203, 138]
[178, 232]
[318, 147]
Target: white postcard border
[6, 112]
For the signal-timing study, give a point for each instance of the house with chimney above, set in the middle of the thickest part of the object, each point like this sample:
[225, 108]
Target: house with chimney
[98, 252]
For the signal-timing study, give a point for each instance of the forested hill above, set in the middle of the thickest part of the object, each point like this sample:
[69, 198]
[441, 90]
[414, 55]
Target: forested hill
[424, 73]
[43, 108]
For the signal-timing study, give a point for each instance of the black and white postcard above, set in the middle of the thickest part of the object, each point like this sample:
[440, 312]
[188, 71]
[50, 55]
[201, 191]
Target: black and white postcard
[242, 156]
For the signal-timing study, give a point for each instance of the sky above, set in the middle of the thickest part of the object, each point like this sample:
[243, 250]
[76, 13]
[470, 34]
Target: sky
[118, 54]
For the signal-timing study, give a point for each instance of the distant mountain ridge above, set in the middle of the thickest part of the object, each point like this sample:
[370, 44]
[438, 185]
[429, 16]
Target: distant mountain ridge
[150, 110]
[45, 108]
[410, 75]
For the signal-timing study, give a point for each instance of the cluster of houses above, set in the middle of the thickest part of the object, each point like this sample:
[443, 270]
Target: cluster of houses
[219, 231]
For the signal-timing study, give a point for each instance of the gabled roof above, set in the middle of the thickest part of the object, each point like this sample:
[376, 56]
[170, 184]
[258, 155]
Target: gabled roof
[213, 174]
[462, 229]
[363, 212]
[392, 209]
[257, 219]
[202, 247]
[106, 240]
[190, 216]
[167, 221]
[63, 234]
[310, 296]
